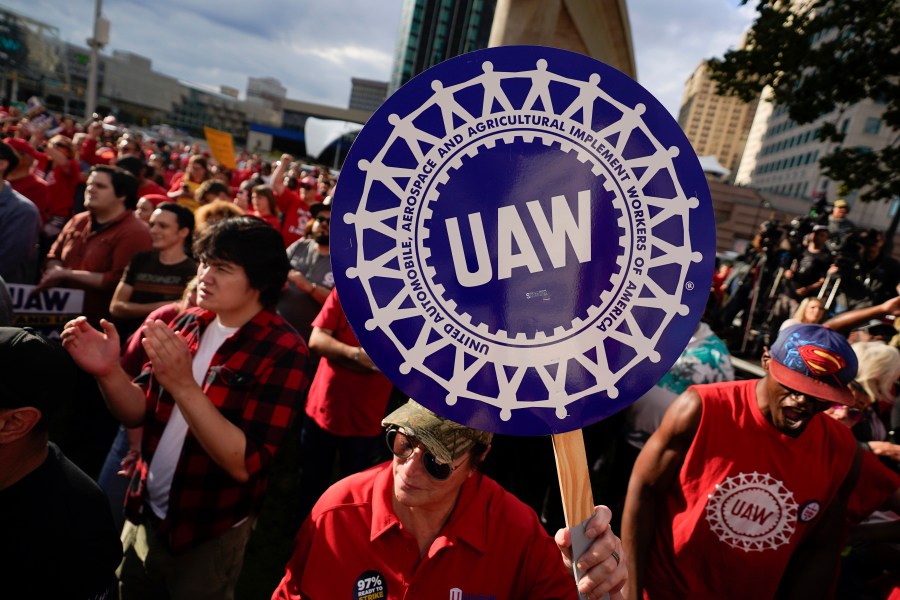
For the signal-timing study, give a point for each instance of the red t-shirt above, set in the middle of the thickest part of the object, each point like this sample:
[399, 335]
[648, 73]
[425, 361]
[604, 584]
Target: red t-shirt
[272, 220]
[150, 187]
[353, 546]
[296, 216]
[63, 180]
[746, 496]
[875, 485]
[342, 401]
[35, 189]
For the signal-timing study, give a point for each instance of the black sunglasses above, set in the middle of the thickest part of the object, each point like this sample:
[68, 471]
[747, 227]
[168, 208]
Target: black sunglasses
[325, 220]
[402, 446]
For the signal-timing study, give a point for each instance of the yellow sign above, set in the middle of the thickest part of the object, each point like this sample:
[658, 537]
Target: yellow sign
[221, 144]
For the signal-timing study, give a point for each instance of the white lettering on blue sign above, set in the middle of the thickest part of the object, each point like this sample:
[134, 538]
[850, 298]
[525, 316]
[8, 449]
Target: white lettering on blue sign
[521, 235]
[563, 227]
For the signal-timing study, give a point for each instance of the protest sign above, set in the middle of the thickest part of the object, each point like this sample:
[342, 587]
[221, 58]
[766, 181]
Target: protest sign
[523, 241]
[46, 310]
[221, 145]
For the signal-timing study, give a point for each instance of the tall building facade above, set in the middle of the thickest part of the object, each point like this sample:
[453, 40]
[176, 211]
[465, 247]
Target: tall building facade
[782, 156]
[432, 31]
[716, 125]
[366, 94]
[786, 157]
[268, 89]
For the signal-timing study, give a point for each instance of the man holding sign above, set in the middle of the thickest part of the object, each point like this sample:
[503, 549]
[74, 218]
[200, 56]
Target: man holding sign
[741, 492]
[429, 525]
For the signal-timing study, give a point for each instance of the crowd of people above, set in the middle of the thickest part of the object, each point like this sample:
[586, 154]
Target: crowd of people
[211, 336]
[204, 291]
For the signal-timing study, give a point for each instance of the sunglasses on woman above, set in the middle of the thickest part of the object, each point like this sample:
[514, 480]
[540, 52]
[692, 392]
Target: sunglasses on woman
[402, 446]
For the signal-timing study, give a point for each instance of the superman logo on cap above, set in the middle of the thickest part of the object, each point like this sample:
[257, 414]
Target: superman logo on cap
[821, 361]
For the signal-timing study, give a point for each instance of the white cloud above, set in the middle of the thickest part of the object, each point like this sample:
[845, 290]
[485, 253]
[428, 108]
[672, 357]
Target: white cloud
[671, 38]
[314, 47]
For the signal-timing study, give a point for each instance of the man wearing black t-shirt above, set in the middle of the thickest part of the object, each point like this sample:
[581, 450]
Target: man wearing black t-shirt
[57, 538]
[809, 273]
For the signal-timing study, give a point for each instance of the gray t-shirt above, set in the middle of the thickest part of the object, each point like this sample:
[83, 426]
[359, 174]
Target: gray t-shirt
[296, 307]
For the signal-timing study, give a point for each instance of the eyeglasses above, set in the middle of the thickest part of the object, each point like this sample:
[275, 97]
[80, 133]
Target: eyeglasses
[325, 220]
[402, 446]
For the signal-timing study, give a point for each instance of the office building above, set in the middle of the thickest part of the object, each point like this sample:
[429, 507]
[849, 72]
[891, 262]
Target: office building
[366, 94]
[432, 31]
[716, 125]
[782, 156]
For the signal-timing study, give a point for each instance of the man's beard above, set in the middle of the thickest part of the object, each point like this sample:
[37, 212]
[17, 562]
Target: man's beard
[322, 239]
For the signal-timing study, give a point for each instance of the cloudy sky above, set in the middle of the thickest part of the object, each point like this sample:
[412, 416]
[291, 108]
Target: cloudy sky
[314, 47]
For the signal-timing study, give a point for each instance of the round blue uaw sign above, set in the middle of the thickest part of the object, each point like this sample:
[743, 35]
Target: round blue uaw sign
[522, 239]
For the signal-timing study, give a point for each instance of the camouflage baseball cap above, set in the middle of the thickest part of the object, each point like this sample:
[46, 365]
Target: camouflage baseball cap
[446, 440]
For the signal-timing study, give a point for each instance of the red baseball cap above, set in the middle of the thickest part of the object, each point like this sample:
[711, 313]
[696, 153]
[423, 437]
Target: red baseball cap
[23, 147]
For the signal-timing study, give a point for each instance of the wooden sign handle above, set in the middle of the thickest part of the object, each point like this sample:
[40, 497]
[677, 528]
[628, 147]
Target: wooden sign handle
[574, 478]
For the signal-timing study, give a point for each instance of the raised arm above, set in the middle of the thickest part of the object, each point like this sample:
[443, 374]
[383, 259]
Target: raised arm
[278, 174]
[654, 471]
[847, 320]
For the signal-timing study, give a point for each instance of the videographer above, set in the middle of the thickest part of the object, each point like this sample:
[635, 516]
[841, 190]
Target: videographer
[808, 273]
[874, 276]
[838, 223]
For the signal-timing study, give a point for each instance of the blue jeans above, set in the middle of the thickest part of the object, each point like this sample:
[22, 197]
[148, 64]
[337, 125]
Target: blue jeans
[112, 484]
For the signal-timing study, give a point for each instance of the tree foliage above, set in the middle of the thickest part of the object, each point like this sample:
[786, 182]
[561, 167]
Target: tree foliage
[819, 57]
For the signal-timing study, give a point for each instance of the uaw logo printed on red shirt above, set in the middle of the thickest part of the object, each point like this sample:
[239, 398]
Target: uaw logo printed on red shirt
[519, 229]
[753, 512]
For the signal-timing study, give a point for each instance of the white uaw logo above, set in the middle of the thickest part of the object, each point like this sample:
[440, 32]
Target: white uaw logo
[753, 512]
[520, 240]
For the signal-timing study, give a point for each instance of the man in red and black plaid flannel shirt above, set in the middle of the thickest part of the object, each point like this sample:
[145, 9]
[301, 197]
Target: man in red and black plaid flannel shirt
[222, 387]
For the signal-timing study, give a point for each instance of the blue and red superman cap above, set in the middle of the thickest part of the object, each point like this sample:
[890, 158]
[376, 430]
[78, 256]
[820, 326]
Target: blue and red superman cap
[814, 360]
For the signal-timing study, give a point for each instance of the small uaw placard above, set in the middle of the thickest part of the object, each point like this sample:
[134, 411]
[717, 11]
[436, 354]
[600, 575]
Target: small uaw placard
[523, 240]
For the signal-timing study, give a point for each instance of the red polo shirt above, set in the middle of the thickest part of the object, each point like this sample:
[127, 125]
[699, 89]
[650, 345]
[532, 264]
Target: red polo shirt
[353, 546]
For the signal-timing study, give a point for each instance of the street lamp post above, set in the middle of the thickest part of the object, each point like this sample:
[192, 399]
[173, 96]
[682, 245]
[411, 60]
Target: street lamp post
[96, 43]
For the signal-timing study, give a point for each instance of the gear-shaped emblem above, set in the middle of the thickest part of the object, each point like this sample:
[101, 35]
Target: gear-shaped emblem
[753, 512]
[512, 236]
[546, 323]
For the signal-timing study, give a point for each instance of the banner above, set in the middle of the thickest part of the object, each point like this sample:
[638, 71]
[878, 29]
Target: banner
[221, 144]
[47, 310]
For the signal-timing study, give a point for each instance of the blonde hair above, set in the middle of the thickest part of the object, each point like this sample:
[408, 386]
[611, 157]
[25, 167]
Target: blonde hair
[800, 313]
[216, 210]
[879, 368]
[62, 139]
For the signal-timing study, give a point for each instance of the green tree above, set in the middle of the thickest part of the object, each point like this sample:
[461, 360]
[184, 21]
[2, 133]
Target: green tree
[819, 57]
